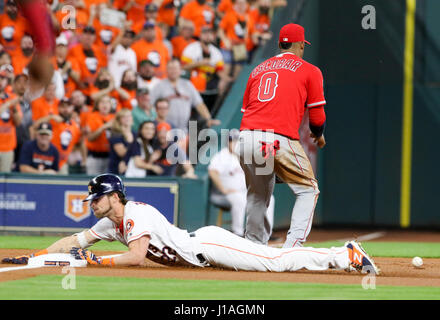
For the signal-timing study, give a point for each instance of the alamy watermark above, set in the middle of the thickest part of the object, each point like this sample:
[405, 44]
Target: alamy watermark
[369, 20]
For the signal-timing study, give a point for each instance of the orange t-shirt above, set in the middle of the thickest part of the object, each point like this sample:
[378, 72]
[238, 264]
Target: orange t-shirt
[81, 17]
[105, 35]
[261, 23]
[179, 43]
[137, 10]
[69, 84]
[19, 61]
[89, 66]
[94, 121]
[138, 26]
[155, 51]
[200, 15]
[167, 13]
[8, 138]
[224, 6]
[113, 95]
[41, 108]
[11, 32]
[229, 25]
[128, 103]
[65, 136]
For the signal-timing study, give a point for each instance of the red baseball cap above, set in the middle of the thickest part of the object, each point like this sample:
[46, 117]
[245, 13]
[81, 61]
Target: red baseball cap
[292, 33]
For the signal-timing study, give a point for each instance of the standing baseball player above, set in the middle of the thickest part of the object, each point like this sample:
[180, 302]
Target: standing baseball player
[278, 92]
[147, 233]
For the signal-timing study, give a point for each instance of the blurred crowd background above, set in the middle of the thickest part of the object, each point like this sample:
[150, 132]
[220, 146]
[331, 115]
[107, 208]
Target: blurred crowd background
[127, 73]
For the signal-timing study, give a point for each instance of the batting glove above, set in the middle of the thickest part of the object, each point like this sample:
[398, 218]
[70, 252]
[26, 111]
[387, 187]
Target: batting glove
[16, 260]
[84, 254]
[90, 257]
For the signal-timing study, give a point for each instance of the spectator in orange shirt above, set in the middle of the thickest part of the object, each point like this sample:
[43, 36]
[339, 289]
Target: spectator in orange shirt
[105, 85]
[66, 133]
[184, 38]
[133, 8]
[261, 20]
[106, 34]
[150, 15]
[11, 116]
[22, 57]
[12, 26]
[235, 30]
[199, 13]
[149, 48]
[68, 20]
[166, 16]
[223, 7]
[127, 92]
[89, 57]
[46, 104]
[68, 67]
[98, 124]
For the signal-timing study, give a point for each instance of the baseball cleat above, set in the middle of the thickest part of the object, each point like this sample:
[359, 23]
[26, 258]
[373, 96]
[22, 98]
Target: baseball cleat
[359, 259]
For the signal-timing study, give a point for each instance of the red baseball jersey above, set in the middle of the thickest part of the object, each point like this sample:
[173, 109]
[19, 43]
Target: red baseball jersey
[277, 93]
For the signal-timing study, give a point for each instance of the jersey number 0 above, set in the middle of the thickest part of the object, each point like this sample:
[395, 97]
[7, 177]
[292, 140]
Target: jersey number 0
[268, 86]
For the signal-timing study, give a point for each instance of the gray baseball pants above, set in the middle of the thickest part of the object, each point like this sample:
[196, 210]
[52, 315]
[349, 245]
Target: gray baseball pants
[286, 159]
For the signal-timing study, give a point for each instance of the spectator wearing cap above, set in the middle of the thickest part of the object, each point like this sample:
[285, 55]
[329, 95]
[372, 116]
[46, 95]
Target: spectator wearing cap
[204, 62]
[228, 179]
[183, 96]
[150, 48]
[22, 57]
[122, 56]
[199, 12]
[146, 75]
[97, 130]
[236, 29]
[184, 38]
[11, 115]
[150, 15]
[143, 111]
[66, 133]
[40, 156]
[169, 161]
[67, 67]
[89, 57]
[13, 27]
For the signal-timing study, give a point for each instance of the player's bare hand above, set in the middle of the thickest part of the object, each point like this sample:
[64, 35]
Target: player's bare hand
[319, 141]
[17, 260]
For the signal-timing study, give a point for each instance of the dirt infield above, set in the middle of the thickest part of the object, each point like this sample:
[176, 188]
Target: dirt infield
[395, 271]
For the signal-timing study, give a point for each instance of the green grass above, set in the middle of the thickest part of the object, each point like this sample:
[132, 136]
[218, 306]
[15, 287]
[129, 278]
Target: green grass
[376, 249]
[174, 289]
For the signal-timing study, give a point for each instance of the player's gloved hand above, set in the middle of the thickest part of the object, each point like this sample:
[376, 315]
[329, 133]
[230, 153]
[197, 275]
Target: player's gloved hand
[84, 254]
[17, 260]
[90, 257]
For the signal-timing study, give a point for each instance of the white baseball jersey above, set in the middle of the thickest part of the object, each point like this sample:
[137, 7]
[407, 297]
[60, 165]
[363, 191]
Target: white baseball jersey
[230, 171]
[218, 247]
[168, 244]
[121, 60]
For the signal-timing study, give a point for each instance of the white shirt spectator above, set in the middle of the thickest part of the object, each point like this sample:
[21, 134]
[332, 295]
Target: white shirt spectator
[121, 60]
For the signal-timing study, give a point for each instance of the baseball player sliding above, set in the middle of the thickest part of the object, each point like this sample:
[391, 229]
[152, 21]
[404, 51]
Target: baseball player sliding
[278, 92]
[147, 233]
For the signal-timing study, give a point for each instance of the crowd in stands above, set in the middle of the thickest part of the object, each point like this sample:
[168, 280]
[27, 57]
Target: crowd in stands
[126, 73]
